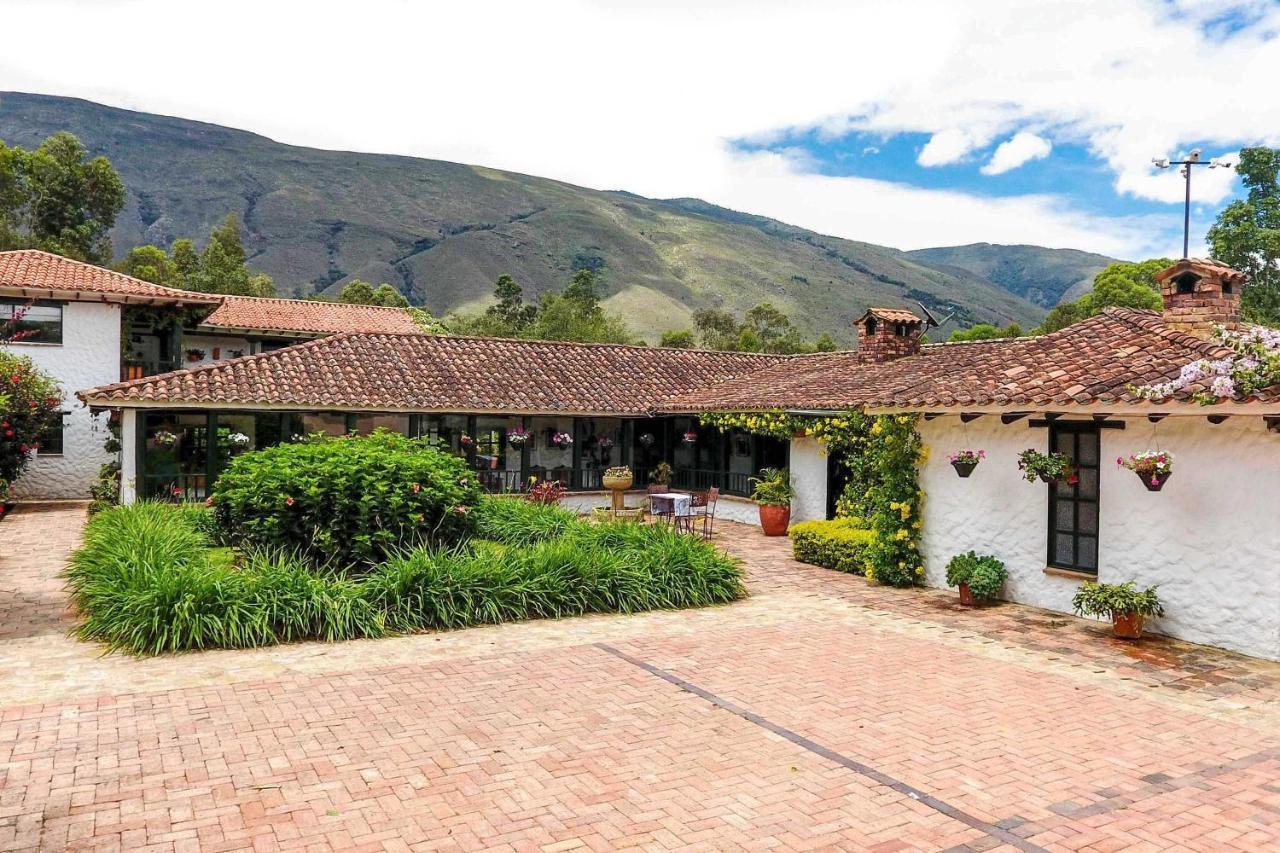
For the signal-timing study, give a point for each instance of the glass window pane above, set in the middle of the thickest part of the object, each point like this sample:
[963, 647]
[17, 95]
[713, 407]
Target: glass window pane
[1064, 552]
[1064, 442]
[1087, 448]
[36, 322]
[1087, 555]
[1088, 486]
[1088, 518]
[1065, 515]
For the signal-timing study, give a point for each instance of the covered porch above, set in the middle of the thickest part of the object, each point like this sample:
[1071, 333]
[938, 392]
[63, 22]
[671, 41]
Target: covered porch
[177, 454]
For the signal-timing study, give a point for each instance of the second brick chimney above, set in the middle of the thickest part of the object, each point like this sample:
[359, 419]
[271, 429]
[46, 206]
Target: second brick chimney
[887, 334]
[1200, 294]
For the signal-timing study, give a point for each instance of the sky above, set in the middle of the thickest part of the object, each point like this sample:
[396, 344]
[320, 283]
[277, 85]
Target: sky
[908, 124]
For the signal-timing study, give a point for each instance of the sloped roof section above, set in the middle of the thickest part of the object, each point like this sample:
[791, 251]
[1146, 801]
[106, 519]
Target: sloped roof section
[305, 317]
[1091, 362]
[421, 372]
[892, 315]
[36, 274]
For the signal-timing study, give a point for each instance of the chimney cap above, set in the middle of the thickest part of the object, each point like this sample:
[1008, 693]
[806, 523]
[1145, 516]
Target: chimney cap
[890, 315]
[1205, 268]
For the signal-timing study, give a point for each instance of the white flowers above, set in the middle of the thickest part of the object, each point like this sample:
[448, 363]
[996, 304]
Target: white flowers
[1254, 364]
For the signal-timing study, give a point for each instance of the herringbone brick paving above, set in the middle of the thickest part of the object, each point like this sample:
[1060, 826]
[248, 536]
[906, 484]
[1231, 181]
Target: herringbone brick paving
[532, 737]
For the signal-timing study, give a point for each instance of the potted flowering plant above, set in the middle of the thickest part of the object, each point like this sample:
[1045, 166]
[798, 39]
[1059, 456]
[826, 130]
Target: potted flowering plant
[1153, 467]
[1125, 605]
[604, 442]
[164, 438]
[562, 439]
[194, 355]
[466, 440]
[964, 461]
[517, 436]
[660, 478]
[1049, 467]
[977, 578]
[773, 493]
[689, 437]
[618, 478]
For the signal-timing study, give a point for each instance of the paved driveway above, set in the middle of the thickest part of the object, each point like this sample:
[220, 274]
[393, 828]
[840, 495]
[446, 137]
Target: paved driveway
[820, 713]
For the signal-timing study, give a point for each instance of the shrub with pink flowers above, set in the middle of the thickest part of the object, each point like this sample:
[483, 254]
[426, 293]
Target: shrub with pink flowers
[31, 407]
[1253, 364]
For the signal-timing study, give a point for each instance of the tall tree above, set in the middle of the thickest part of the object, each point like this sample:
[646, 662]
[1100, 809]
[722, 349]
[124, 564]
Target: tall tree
[575, 314]
[59, 199]
[357, 292]
[1246, 235]
[1124, 284]
[150, 263]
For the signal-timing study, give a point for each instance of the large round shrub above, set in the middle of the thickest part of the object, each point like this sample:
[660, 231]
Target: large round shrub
[346, 500]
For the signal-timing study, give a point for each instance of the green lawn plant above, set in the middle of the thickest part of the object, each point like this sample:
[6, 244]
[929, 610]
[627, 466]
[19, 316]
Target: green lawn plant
[984, 574]
[839, 543]
[152, 578]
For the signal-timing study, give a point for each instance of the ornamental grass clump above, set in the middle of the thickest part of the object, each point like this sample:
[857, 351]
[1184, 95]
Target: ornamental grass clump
[345, 501]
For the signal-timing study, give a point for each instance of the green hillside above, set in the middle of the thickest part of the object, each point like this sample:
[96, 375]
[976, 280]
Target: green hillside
[1043, 276]
[442, 232]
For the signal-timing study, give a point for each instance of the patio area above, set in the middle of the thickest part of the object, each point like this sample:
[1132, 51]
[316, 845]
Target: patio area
[819, 712]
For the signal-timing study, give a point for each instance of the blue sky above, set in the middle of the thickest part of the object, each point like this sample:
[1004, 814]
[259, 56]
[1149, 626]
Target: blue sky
[1005, 121]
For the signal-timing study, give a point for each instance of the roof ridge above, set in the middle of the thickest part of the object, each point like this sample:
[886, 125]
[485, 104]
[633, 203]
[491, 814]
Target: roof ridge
[322, 302]
[597, 344]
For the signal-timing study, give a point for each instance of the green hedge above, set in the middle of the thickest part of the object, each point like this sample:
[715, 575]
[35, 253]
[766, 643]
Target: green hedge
[345, 501]
[150, 580]
[839, 544]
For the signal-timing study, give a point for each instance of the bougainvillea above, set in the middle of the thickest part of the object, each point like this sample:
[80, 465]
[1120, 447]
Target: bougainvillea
[881, 455]
[1254, 364]
[31, 407]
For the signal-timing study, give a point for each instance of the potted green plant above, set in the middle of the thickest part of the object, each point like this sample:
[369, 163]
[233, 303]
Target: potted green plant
[773, 493]
[964, 461]
[1048, 467]
[1124, 604]
[660, 478]
[978, 578]
[1153, 467]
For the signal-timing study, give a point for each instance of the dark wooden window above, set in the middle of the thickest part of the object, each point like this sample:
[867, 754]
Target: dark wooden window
[50, 440]
[1073, 509]
[38, 322]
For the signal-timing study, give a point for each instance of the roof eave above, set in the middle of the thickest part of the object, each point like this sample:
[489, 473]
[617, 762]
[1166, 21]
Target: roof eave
[71, 295]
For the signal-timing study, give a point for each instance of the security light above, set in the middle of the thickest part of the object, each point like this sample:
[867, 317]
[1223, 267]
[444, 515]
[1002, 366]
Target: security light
[1194, 156]
[1160, 162]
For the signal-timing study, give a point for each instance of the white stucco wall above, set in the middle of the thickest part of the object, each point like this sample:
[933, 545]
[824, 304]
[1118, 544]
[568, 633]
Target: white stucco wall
[89, 355]
[224, 344]
[808, 478]
[1210, 539]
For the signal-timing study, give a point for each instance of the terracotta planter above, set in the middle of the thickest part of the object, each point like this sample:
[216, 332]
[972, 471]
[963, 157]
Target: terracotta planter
[774, 519]
[1156, 483]
[1127, 626]
[966, 596]
[617, 484]
[964, 469]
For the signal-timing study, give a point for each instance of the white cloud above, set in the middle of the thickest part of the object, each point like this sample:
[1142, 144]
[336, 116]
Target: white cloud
[870, 149]
[946, 147]
[644, 95]
[1022, 148]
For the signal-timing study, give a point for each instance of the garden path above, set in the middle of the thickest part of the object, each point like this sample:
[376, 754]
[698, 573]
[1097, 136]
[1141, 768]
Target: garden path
[820, 712]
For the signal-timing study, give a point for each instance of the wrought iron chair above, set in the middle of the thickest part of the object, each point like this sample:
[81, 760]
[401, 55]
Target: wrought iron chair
[704, 515]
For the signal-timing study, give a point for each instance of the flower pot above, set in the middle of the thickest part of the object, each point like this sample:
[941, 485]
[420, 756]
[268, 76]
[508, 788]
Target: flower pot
[774, 519]
[964, 469]
[1127, 626]
[617, 484]
[966, 596]
[1155, 482]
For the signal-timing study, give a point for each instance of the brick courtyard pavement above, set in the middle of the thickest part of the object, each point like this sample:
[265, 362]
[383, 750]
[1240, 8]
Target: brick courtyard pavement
[822, 712]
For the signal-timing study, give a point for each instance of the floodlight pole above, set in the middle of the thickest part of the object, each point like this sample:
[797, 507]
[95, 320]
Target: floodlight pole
[1193, 159]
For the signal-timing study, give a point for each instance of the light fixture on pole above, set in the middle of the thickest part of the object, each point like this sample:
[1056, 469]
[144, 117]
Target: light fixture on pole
[1193, 159]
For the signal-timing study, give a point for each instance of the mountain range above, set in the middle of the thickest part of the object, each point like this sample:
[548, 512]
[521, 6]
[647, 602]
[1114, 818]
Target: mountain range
[442, 232]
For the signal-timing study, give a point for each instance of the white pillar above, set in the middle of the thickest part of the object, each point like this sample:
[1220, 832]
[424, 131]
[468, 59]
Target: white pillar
[808, 478]
[129, 456]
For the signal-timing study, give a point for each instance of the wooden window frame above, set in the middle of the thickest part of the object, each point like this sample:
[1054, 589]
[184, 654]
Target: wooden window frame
[1077, 429]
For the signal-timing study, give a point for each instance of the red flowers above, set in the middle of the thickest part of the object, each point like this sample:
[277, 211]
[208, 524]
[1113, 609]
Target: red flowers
[288, 501]
[208, 501]
[461, 510]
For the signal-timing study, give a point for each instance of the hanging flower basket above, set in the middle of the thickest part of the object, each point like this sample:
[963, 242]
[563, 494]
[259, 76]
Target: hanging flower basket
[562, 439]
[964, 461]
[466, 440]
[163, 438]
[1153, 467]
[647, 439]
[604, 442]
[689, 437]
[1047, 467]
[517, 437]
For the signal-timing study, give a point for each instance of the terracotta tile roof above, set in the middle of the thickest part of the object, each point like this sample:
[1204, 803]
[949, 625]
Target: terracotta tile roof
[301, 316]
[31, 271]
[891, 315]
[421, 372]
[1090, 362]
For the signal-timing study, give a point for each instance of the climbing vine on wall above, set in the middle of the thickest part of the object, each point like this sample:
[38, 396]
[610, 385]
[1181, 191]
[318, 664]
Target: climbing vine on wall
[881, 454]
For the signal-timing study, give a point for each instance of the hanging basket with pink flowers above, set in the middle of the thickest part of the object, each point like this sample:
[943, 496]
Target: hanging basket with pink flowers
[964, 461]
[1153, 467]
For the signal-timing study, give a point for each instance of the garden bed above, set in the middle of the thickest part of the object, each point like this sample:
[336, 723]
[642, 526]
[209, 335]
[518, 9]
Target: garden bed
[153, 578]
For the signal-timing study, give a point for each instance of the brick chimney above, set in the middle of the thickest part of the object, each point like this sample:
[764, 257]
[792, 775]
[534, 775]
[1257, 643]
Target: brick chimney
[1200, 294]
[887, 334]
